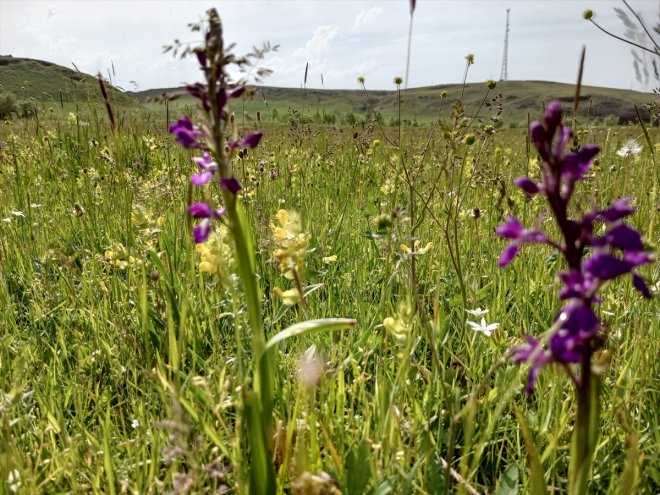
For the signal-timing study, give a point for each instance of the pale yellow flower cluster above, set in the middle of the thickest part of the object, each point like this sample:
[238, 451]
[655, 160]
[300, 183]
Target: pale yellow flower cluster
[399, 326]
[292, 243]
[217, 256]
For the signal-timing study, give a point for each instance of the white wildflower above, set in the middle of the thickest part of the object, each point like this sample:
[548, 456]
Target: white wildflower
[476, 312]
[14, 480]
[483, 327]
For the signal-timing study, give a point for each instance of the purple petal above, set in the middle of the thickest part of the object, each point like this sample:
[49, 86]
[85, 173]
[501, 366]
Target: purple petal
[528, 185]
[221, 98]
[231, 185]
[201, 58]
[641, 286]
[508, 254]
[624, 237]
[201, 178]
[552, 116]
[576, 285]
[539, 138]
[605, 266]
[185, 132]
[252, 139]
[236, 92]
[571, 341]
[204, 162]
[577, 164]
[511, 229]
[200, 210]
[202, 231]
[637, 258]
[531, 352]
[620, 209]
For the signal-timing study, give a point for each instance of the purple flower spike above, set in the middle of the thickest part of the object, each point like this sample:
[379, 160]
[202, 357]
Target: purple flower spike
[231, 185]
[249, 141]
[185, 132]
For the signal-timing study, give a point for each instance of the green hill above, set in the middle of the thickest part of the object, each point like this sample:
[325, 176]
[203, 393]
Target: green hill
[44, 81]
[517, 99]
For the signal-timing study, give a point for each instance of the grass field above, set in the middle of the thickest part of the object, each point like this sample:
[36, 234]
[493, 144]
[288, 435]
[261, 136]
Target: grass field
[124, 363]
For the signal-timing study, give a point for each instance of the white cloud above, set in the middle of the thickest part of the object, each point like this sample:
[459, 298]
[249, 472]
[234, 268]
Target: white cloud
[320, 42]
[367, 16]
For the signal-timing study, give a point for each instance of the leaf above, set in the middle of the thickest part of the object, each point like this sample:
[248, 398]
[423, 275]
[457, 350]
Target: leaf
[262, 471]
[309, 326]
[508, 482]
[536, 477]
[358, 469]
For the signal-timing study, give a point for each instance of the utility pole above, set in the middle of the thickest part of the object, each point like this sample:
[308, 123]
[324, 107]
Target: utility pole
[505, 58]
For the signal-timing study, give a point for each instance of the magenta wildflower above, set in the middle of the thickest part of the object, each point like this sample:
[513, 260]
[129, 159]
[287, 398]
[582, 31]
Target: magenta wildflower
[591, 260]
[185, 132]
[249, 141]
[232, 185]
[208, 166]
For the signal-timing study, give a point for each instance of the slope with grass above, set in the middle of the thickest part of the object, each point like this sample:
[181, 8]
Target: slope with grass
[517, 98]
[47, 82]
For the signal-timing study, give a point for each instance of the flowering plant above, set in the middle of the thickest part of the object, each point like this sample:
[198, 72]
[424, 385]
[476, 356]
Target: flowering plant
[232, 240]
[591, 260]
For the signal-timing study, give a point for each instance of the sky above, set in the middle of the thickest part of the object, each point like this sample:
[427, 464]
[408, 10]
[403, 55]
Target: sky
[340, 39]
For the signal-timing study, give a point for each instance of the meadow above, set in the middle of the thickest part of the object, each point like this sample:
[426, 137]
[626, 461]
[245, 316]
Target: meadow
[125, 347]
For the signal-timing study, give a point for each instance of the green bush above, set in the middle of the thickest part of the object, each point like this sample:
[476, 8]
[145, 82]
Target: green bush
[7, 105]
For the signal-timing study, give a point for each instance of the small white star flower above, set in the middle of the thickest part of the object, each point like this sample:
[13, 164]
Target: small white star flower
[135, 424]
[476, 312]
[17, 213]
[483, 327]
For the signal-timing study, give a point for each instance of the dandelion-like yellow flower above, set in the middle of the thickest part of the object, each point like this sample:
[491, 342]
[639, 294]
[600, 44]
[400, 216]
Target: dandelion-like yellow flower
[291, 241]
[217, 256]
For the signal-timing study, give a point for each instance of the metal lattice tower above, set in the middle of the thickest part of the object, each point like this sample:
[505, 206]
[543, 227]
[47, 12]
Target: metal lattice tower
[505, 57]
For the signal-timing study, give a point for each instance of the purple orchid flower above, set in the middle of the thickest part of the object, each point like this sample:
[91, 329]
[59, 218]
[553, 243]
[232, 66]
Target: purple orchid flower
[208, 166]
[207, 214]
[186, 132]
[249, 141]
[592, 260]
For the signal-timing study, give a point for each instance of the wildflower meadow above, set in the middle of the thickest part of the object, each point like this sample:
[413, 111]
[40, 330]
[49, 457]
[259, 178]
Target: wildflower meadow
[193, 303]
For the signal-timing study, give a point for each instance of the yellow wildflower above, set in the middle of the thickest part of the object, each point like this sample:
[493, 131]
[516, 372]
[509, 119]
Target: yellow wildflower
[217, 256]
[289, 297]
[291, 241]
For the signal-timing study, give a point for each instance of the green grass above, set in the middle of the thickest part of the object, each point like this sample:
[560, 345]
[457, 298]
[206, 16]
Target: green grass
[51, 83]
[119, 363]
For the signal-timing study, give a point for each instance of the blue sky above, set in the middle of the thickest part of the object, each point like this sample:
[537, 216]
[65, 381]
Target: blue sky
[340, 39]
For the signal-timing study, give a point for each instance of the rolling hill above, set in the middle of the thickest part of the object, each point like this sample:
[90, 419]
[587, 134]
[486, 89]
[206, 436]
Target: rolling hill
[45, 81]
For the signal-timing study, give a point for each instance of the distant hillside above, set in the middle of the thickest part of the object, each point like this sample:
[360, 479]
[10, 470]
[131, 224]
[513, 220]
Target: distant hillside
[45, 81]
[518, 98]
